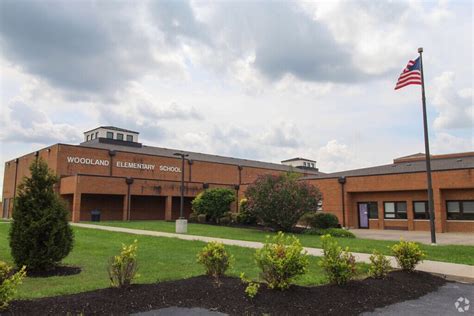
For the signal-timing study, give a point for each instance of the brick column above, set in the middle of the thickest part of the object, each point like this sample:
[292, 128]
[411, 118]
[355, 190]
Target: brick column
[381, 214]
[168, 207]
[125, 208]
[76, 207]
[439, 208]
[410, 215]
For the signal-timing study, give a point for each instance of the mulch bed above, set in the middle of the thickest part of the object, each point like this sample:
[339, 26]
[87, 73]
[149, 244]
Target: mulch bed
[352, 299]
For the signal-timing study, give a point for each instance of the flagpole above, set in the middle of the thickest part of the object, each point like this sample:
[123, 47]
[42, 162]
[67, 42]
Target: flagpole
[427, 153]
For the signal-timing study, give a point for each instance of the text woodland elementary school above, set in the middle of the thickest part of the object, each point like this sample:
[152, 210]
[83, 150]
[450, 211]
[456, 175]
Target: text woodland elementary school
[125, 180]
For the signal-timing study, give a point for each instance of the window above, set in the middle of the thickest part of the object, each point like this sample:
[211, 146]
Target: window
[129, 138]
[88, 137]
[373, 209]
[463, 210]
[110, 135]
[119, 136]
[96, 134]
[395, 210]
[420, 210]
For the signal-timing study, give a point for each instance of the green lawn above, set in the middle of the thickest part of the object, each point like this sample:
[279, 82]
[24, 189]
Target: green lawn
[446, 253]
[159, 259]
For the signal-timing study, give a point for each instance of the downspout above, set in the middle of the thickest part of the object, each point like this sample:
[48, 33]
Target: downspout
[190, 163]
[238, 188]
[129, 182]
[342, 181]
[112, 153]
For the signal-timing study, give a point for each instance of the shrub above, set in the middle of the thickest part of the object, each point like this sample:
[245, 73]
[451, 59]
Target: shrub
[408, 255]
[280, 260]
[280, 201]
[215, 259]
[213, 202]
[193, 218]
[252, 287]
[123, 267]
[306, 219]
[202, 218]
[334, 232]
[225, 220]
[245, 215]
[8, 283]
[379, 265]
[40, 235]
[339, 264]
[324, 220]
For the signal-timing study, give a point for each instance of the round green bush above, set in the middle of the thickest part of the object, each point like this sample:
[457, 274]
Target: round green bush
[324, 220]
[213, 202]
[245, 215]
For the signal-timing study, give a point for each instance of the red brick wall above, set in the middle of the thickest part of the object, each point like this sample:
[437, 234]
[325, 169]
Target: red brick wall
[110, 206]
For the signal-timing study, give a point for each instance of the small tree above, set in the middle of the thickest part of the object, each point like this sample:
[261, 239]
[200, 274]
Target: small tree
[214, 203]
[215, 259]
[40, 235]
[280, 260]
[280, 201]
[123, 268]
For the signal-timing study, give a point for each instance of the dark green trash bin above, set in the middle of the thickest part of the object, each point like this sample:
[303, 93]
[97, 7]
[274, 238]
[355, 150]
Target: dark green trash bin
[95, 215]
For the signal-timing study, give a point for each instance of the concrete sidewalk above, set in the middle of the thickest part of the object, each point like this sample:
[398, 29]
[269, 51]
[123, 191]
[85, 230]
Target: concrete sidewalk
[454, 271]
[418, 236]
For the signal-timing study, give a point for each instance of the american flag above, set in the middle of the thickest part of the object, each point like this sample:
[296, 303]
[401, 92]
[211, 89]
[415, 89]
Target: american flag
[410, 75]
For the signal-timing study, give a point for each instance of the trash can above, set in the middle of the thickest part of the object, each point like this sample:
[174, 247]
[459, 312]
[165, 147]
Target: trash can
[95, 215]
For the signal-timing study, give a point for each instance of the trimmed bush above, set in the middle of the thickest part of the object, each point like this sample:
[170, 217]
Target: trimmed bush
[334, 232]
[8, 283]
[339, 264]
[379, 265]
[202, 218]
[280, 201]
[281, 260]
[214, 203]
[123, 267]
[324, 221]
[306, 219]
[245, 215]
[215, 259]
[193, 218]
[408, 255]
[40, 235]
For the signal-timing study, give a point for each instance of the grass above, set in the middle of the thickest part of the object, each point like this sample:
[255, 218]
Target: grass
[445, 253]
[160, 259]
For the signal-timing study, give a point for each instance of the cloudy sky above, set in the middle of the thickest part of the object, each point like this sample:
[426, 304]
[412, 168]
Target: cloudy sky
[265, 80]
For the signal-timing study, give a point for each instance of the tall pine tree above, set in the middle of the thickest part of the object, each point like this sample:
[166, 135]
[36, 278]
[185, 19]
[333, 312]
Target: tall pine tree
[40, 235]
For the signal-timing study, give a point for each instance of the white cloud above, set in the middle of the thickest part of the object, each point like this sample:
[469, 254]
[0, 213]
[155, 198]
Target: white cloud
[445, 143]
[454, 105]
[24, 123]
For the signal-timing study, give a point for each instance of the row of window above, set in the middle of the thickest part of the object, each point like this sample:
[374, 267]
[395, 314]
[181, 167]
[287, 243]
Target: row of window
[110, 135]
[461, 210]
[92, 136]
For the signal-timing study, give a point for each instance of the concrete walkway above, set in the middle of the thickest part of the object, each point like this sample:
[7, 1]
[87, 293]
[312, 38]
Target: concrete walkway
[421, 237]
[452, 270]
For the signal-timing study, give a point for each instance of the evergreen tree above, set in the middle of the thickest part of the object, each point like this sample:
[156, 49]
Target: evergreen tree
[40, 235]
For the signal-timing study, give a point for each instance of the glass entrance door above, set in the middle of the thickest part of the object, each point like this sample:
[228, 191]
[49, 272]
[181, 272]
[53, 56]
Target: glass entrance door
[363, 215]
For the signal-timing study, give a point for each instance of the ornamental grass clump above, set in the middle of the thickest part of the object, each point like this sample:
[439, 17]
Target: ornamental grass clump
[408, 255]
[281, 260]
[8, 283]
[123, 267]
[379, 265]
[216, 260]
[339, 264]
